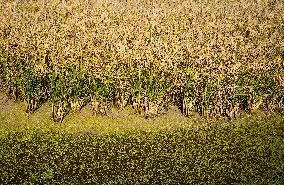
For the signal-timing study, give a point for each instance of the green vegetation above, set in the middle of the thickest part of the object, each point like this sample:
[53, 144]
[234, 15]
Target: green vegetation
[248, 151]
[211, 57]
[218, 62]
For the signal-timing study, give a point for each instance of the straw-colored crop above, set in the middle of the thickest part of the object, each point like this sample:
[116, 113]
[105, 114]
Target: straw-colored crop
[211, 57]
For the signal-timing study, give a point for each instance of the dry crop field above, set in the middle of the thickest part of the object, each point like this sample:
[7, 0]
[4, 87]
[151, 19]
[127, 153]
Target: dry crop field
[215, 58]
[207, 58]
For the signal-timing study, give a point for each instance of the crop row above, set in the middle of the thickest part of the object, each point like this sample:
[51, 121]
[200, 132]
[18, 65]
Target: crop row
[214, 58]
[149, 91]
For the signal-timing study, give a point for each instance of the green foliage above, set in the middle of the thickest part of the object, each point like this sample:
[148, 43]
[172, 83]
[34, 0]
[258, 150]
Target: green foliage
[240, 154]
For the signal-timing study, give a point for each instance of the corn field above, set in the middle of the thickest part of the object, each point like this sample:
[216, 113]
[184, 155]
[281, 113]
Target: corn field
[216, 58]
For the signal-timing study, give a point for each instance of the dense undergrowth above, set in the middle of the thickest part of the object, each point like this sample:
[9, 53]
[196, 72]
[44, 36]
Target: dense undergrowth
[250, 152]
[210, 57]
